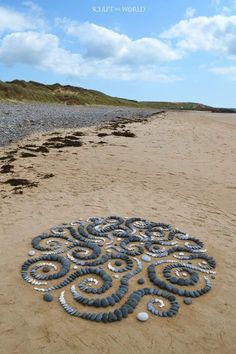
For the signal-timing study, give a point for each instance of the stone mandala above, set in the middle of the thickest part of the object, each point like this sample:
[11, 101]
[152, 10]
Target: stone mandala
[94, 263]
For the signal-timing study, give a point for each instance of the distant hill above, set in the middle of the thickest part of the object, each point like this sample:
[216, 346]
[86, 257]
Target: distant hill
[31, 91]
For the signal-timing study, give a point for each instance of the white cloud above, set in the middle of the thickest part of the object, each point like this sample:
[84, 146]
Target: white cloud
[11, 20]
[211, 34]
[190, 12]
[33, 7]
[148, 51]
[26, 47]
[229, 71]
[32, 48]
[229, 8]
[101, 42]
[14, 21]
[102, 52]
[40, 50]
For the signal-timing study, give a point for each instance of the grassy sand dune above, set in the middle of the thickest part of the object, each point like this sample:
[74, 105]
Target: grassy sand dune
[27, 91]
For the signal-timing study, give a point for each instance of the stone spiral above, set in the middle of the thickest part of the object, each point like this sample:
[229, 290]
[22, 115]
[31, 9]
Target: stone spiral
[101, 258]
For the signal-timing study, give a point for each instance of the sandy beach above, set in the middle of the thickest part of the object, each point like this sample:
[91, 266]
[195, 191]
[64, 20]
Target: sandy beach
[176, 167]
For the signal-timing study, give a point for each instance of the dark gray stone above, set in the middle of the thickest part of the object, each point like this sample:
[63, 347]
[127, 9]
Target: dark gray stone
[188, 301]
[48, 297]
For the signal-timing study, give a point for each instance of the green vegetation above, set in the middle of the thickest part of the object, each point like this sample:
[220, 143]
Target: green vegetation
[30, 91]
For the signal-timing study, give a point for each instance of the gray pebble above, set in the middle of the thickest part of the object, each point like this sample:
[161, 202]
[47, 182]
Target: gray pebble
[188, 301]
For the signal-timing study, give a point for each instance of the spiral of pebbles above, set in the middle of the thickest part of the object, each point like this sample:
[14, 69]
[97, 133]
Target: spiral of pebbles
[101, 253]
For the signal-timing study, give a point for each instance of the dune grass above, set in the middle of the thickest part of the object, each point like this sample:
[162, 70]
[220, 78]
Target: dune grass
[31, 91]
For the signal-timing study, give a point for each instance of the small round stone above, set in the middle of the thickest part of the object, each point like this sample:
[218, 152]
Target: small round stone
[142, 316]
[47, 297]
[118, 263]
[146, 258]
[46, 269]
[188, 301]
[31, 253]
[76, 267]
[116, 276]
[140, 281]
[213, 277]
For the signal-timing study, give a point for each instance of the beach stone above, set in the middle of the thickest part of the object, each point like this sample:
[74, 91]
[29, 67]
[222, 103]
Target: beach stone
[46, 269]
[140, 281]
[48, 297]
[142, 316]
[146, 258]
[31, 253]
[118, 263]
[188, 301]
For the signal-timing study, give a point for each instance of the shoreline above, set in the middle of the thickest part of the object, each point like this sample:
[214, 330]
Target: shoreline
[21, 120]
[18, 120]
[60, 141]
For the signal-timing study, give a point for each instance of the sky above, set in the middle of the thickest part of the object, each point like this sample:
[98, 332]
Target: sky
[156, 50]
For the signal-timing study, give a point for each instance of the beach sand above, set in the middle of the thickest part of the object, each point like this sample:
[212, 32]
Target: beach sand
[179, 169]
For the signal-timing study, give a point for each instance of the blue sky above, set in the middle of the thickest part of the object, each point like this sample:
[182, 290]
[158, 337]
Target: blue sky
[164, 50]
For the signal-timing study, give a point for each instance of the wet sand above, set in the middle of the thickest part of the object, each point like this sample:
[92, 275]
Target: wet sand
[179, 168]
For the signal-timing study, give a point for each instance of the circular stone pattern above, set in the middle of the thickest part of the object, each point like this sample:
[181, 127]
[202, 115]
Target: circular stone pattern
[142, 316]
[96, 266]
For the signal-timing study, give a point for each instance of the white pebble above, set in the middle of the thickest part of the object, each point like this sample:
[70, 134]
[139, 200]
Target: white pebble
[31, 253]
[146, 258]
[142, 316]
